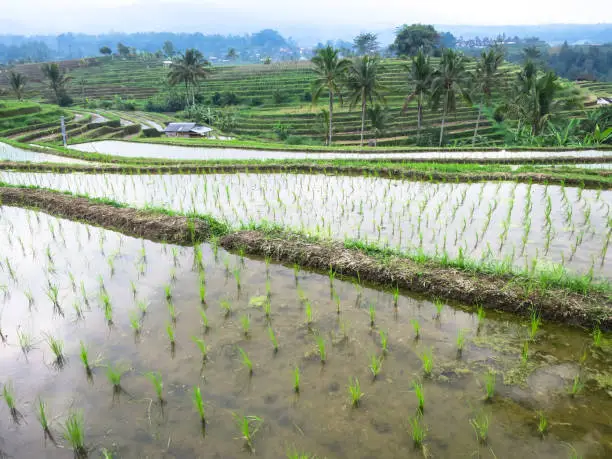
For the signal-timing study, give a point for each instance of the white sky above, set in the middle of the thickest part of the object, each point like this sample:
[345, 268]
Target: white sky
[239, 16]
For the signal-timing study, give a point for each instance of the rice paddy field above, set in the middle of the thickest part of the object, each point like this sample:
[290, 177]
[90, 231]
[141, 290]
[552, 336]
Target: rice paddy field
[140, 349]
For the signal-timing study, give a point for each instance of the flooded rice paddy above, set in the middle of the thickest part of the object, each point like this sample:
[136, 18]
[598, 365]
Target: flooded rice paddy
[76, 284]
[527, 226]
[158, 151]
[10, 153]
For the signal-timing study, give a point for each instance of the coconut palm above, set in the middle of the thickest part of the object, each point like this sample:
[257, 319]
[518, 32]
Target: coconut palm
[57, 79]
[534, 99]
[379, 117]
[189, 69]
[17, 82]
[363, 84]
[421, 74]
[451, 81]
[487, 77]
[331, 70]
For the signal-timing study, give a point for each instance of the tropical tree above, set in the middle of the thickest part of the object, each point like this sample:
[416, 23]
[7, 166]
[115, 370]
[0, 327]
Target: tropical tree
[410, 39]
[363, 84]
[189, 69]
[168, 49]
[379, 117]
[232, 55]
[57, 80]
[451, 81]
[106, 51]
[421, 74]
[366, 43]
[534, 98]
[17, 82]
[487, 77]
[331, 71]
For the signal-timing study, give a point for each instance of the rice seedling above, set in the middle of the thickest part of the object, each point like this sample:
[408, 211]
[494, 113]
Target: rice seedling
[135, 323]
[168, 292]
[245, 322]
[267, 308]
[489, 384]
[460, 341]
[355, 393]
[321, 347]
[226, 306]
[74, 433]
[384, 342]
[308, 311]
[542, 424]
[375, 365]
[43, 419]
[84, 355]
[420, 395]
[172, 311]
[156, 379]
[202, 291]
[114, 374]
[273, 339]
[525, 352]
[8, 394]
[427, 361]
[57, 348]
[237, 278]
[294, 454]
[416, 326]
[372, 313]
[106, 454]
[201, 346]
[248, 426]
[480, 424]
[133, 288]
[204, 318]
[597, 337]
[439, 304]
[417, 430]
[576, 387]
[170, 333]
[199, 404]
[25, 341]
[480, 315]
[296, 380]
[395, 296]
[246, 362]
[535, 323]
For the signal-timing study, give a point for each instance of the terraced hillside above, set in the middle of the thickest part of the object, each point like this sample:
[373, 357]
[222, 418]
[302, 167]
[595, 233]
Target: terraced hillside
[278, 95]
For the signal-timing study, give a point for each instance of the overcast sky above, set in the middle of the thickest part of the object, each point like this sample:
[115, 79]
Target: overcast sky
[240, 16]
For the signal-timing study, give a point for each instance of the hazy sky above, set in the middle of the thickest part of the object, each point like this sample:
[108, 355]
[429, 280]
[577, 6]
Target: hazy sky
[239, 16]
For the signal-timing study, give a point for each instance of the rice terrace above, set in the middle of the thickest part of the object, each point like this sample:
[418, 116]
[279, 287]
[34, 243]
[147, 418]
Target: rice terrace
[221, 245]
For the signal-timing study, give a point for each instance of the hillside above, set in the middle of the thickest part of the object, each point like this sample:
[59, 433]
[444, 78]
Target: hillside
[278, 95]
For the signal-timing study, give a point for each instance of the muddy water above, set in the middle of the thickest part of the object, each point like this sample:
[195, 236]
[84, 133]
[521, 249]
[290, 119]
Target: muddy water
[147, 150]
[527, 226]
[42, 250]
[10, 153]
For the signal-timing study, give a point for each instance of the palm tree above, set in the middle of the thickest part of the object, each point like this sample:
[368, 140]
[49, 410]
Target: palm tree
[17, 82]
[330, 70]
[450, 81]
[379, 116]
[232, 54]
[363, 83]
[189, 69]
[421, 74]
[486, 78]
[57, 79]
[534, 96]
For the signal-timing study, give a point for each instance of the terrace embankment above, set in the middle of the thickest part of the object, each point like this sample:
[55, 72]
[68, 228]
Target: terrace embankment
[151, 225]
[504, 292]
[587, 179]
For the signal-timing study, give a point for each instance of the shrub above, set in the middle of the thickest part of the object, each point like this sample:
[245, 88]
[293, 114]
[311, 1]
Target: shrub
[279, 96]
[256, 102]
[281, 130]
[151, 132]
[307, 96]
[64, 100]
